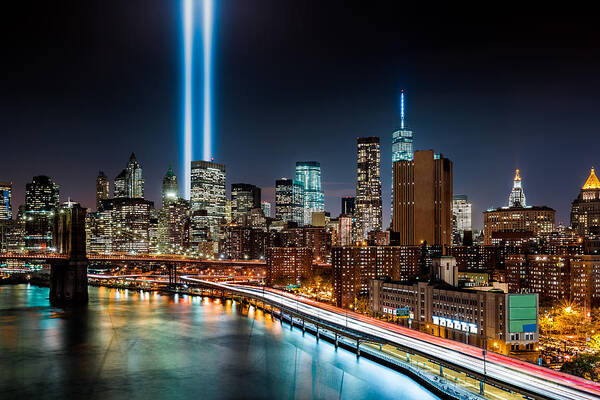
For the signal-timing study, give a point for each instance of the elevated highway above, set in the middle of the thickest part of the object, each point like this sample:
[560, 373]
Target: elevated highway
[528, 379]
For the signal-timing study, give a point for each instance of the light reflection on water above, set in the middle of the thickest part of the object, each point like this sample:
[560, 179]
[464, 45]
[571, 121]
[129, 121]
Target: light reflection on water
[129, 344]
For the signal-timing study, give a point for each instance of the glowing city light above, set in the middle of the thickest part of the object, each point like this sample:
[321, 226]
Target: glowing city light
[207, 34]
[188, 35]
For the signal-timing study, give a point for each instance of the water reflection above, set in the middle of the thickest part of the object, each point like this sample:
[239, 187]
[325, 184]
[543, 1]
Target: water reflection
[129, 344]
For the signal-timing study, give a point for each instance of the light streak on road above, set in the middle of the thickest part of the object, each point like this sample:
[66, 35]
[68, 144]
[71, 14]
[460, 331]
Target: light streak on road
[546, 382]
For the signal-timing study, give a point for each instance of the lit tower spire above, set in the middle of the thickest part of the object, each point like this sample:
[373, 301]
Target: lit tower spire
[402, 109]
[517, 195]
[592, 181]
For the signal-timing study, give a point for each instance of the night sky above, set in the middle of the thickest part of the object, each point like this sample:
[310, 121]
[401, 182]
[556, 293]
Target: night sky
[87, 83]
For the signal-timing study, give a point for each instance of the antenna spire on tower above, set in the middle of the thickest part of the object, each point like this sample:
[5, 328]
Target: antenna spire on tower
[402, 109]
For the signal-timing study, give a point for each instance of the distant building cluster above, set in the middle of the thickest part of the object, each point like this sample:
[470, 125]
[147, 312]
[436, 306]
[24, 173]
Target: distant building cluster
[429, 268]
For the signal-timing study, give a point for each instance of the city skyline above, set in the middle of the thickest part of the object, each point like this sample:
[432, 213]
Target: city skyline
[496, 110]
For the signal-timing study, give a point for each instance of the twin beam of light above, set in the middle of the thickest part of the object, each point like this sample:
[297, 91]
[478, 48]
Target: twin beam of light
[207, 34]
[207, 43]
[188, 35]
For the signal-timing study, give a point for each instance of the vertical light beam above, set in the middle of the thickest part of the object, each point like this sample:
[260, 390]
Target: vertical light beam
[188, 35]
[207, 33]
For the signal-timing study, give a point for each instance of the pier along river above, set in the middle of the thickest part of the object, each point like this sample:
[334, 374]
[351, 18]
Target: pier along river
[143, 345]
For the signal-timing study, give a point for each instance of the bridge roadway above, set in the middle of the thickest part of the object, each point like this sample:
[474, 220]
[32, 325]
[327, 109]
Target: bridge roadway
[522, 377]
[134, 258]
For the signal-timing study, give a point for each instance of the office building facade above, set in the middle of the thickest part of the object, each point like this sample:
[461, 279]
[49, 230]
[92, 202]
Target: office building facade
[289, 200]
[244, 197]
[309, 174]
[208, 193]
[422, 210]
[266, 207]
[5, 201]
[170, 188]
[102, 188]
[585, 209]
[130, 182]
[461, 217]
[348, 205]
[41, 203]
[368, 187]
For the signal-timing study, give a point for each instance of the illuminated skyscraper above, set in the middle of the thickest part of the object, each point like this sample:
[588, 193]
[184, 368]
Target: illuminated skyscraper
[517, 195]
[309, 174]
[244, 197]
[585, 210]
[41, 202]
[173, 226]
[289, 200]
[368, 187]
[402, 141]
[5, 201]
[461, 217]
[130, 183]
[208, 193]
[266, 207]
[102, 189]
[423, 200]
[170, 191]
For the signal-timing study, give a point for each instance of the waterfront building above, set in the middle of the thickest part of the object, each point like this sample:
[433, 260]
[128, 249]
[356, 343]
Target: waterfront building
[461, 218]
[348, 205]
[354, 266]
[170, 189]
[99, 229]
[102, 189]
[243, 243]
[289, 200]
[41, 203]
[266, 207]
[131, 225]
[244, 197]
[5, 201]
[505, 323]
[422, 210]
[12, 235]
[208, 193]
[173, 227]
[585, 209]
[317, 239]
[309, 174]
[288, 265]
[368, 187]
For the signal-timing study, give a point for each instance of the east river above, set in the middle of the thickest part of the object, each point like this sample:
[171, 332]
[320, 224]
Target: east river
[141, 345]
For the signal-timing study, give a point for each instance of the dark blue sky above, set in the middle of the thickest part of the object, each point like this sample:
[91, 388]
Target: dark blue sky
[86, 83]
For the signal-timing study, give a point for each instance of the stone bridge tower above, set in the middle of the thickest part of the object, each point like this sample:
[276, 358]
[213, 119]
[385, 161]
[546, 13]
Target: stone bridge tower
[68, 278]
